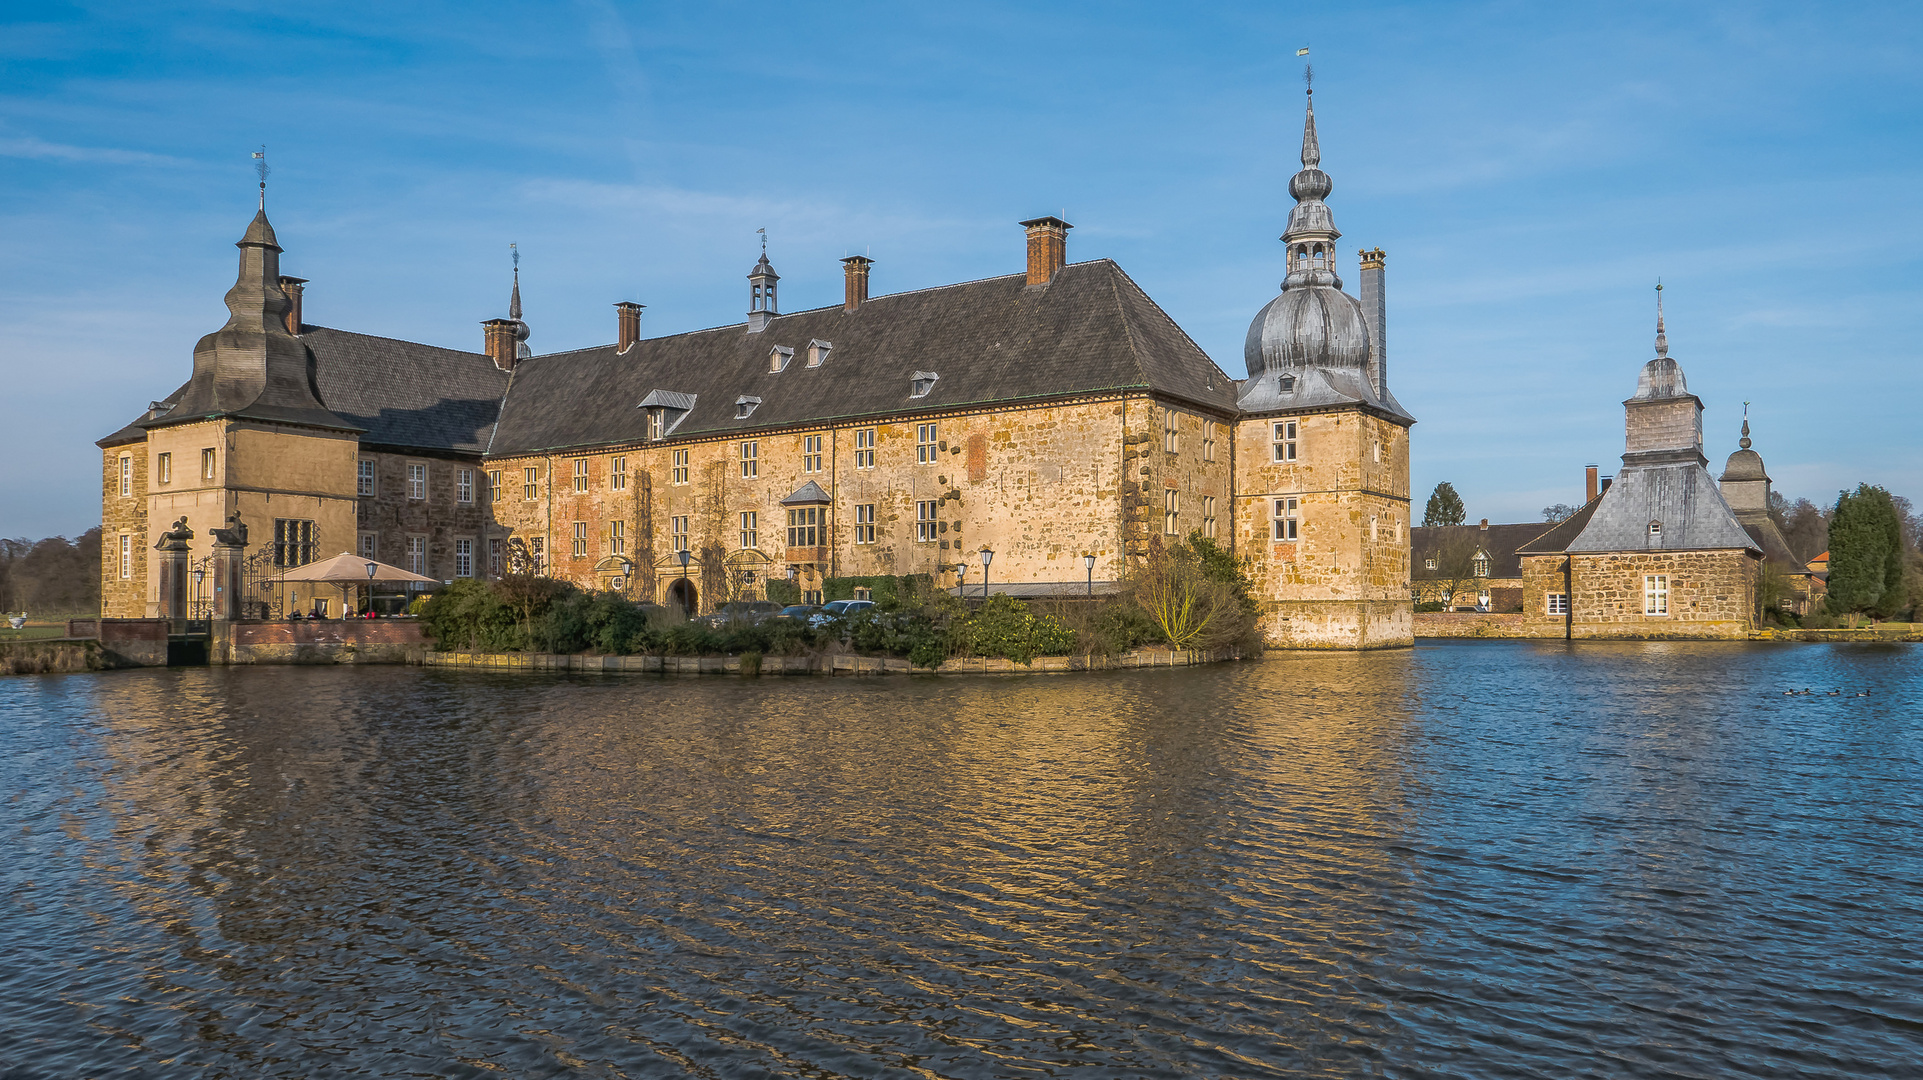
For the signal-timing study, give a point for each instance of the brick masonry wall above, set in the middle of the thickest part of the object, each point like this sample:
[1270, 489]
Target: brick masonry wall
[1712, 594]
[347, 641]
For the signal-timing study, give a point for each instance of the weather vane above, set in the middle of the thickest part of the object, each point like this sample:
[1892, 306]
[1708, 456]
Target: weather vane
[516, 249]
[260, 166]
[764, 240]
[1308, 70]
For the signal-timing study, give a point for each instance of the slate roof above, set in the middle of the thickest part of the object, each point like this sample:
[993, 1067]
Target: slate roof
[1558, 538]
[1768, 539]
[406, 395]
[1091, 329]
[1500, 542]
[1681, 496]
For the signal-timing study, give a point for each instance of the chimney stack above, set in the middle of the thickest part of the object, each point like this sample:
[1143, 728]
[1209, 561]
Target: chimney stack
[501, 345]
[1605, 483]
[628, 319]
[1375, 312]
[855, 281]
[1590, 490]
[1485, 524]
[292, 287]
[1047, 248]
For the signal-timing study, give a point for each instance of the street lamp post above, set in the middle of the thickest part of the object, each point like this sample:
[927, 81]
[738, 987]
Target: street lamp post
[199, 577]
[1089, 562]
[987, 557]
[372, 569]
[685, 555]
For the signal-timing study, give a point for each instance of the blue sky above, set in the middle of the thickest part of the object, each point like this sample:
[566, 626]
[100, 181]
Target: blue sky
[1531, 169]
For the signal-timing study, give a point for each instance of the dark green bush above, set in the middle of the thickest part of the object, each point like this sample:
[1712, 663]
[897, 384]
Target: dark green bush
[783, 592]
[1432, 605]
[1005, 627]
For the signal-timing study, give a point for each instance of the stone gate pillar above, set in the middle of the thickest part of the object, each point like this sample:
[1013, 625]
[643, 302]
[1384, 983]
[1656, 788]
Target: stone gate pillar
[173, 549]
[230, 551]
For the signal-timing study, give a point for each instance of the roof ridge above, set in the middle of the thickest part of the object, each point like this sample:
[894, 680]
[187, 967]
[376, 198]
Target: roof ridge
[383, 337]
[1163, 312]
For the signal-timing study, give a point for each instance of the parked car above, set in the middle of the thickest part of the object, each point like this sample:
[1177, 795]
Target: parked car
[838, 609]
[798, 613]
[741, 611]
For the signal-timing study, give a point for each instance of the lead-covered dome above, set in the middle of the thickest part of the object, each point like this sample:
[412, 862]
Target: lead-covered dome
[1308, 326]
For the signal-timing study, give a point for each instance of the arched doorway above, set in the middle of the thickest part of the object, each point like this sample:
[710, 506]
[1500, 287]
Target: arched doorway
[682, 594]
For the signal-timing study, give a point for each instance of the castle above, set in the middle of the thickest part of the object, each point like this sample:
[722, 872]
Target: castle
[1052, 417]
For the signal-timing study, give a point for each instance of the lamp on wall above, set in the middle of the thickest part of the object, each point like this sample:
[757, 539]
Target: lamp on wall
[372, 569]
[199, 576]
[1088, 561]
[987, 557]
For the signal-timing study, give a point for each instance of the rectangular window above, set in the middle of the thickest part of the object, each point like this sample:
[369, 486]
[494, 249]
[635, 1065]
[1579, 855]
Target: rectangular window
[865, 448]
[618, 474]
[364, 478]
[1655, 594]
[750, 531]
[126, 556]
[680, 475]
[1171, 431]
[750, 460]
[496, 556]
[1171, 508]
[811, 453]
[1208, 440]
[417, 554]
[657, 424]
[925, 444]
[865, 523]
[165, 465]
[530, 482]
[207, 464]
[580, 549]
[370, 544]
[1285, 440]
[1558, 603]
[1208, 516]
[1286, 526]
[1480, 566]
[537, 547]
[581, 475]
[126, 476]
[416, 480]
[293, 542]
[804, 526]
[463, 558]
[617, 538]
[677, 534]
[464, 485]
[494, 485]
[925, 526]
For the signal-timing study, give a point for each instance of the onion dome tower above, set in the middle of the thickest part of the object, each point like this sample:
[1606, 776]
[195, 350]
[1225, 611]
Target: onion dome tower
[1311, 346]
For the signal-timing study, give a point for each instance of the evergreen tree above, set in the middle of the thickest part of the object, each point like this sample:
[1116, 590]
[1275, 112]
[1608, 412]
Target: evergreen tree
[1445, 507]
[1866, 553]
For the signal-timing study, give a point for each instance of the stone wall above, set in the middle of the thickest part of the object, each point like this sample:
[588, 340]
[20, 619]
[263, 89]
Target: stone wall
[1712, 594]
[123, 589]
[823, 665]
[320, 641]
[390, 516]
[1453, 624]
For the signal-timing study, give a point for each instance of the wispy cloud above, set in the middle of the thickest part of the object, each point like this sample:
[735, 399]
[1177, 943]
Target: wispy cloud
[40, 149]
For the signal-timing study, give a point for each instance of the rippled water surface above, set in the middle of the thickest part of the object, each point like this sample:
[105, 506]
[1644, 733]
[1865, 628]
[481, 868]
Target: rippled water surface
[1475, 860]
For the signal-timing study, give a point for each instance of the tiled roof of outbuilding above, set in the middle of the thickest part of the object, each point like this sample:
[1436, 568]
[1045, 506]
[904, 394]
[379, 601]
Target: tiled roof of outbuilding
[1500, 542]
[1091, 329]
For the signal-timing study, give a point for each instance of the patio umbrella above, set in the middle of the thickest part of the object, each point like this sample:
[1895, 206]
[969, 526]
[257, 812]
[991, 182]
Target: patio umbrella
[349, 569]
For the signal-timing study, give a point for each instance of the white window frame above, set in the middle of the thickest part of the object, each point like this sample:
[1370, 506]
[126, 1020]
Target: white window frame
[464, 557]
[1479, 566]
[1655, 594]
[209, 463]
[1288, 520]
[864, 448]
[927, 443]
[164, 465]
[618, 474]
[366, 478]
[530, 482]
[678, 533]
[417, 481]
[750, 460]
[679, 474]
[1285, 435]
[1208, 514]
[927, 524]
[864, 523]
[126, 475]
[1171, 432]
[805, 526]
[617, 537]
[464, 487]
[1208, 440]
[580, 547]
[496, 556]
[417, 554]
[1171, 512]
[1555, 603]
[750, 529]
[811, 453]
[126, 556]
[370, 545]
[494, 485]
[580, 475]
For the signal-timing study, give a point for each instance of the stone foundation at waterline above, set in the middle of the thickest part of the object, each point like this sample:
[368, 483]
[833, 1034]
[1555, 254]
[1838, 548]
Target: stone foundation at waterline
[842, 664]
[1710, 594]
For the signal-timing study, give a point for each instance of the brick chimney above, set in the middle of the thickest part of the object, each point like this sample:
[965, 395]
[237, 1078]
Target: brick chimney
[1589, 488]
[854, 272]
[627, 315]
[292, 286]
[1485, 525]
[500, 342]
[1375, 312]
[1047, 248]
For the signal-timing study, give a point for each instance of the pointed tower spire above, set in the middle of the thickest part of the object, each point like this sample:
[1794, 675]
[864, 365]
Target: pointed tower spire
[1744, 441]
[1311, 149]
[521, 351]
[1662, 339]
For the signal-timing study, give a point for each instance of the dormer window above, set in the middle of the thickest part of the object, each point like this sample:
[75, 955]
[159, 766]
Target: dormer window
[1655, 528]
[778, 358]
[665, 409]
[818, 352]
[1288, 384]
[922, 383]
[657, 424]
[744, 406]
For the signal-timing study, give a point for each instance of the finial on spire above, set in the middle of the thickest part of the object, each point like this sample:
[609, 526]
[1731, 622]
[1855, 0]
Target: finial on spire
[1311, 146]
[1744, 441]
[260, 166]
[1662, 339]
[764, 242]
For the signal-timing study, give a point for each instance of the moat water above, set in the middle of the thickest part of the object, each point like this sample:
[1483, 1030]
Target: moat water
[1466, 860]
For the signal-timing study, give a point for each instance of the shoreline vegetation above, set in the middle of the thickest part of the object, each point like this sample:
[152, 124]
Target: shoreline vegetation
[1189, 596]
